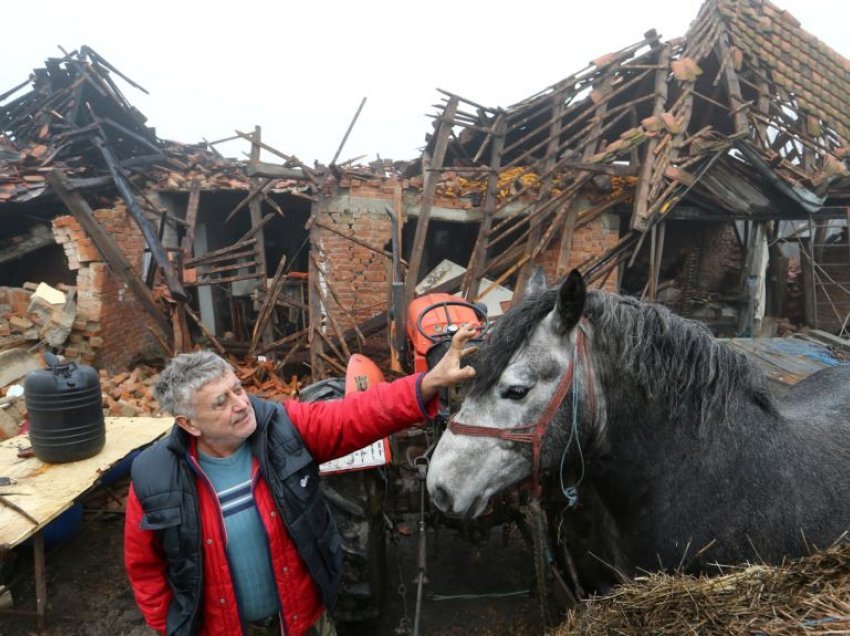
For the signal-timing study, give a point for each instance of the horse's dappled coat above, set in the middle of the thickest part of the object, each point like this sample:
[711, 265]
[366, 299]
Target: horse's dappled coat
[689, 459]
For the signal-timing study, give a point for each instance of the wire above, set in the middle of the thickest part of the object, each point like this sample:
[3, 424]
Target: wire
[461, 597]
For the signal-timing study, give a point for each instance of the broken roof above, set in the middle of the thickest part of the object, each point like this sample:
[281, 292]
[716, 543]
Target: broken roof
[71, 115]
[744, 117]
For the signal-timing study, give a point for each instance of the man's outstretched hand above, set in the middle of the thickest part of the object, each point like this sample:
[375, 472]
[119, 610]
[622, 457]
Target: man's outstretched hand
[448, 372]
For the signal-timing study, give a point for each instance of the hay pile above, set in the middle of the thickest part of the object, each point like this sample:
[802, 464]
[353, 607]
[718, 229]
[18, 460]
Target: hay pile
[808, 596]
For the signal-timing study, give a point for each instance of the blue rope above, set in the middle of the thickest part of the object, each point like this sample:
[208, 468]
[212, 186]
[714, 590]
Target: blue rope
[571, 492]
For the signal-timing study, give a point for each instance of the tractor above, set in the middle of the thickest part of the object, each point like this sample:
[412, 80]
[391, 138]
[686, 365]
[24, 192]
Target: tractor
[371, 491]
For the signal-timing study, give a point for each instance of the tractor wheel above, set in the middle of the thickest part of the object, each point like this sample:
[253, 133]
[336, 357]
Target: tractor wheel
[356, 502]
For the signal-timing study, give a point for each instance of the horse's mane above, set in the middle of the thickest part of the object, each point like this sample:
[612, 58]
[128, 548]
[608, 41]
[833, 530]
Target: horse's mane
[677, 361]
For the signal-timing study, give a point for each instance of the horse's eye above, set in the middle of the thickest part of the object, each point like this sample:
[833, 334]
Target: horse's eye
[515, 392]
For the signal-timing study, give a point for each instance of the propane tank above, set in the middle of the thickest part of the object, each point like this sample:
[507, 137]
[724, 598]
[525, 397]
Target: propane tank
[65, 412]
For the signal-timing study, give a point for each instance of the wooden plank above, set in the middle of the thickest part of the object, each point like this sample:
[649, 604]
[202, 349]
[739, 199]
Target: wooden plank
[273, 171]
[113, 255]
[317, 365]
[478, 257]
[361, 338]
[252, 195]
[269, 304]
[221, 256]
[191, 217]
[265, 146]
[330, 228]
[345, 137]
[733, 86]
[215, 343]
[47, 490]
[548, 164]
[429, 191]
[35, 238]
[256, 209]
[639, 216]
[148, 231]
[221, 281]
[331, 318]
[232, 267]
[566, 243]
[285, 340]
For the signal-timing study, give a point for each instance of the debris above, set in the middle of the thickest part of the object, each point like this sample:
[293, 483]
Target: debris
[261, 378]
[16, 363]
[48, 293]
[129, 394]
[493, 295]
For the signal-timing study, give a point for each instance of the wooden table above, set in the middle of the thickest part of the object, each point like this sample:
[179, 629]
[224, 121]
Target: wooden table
[43, 491]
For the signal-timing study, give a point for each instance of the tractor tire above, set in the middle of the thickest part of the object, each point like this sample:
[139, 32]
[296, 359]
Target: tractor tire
[356, 502]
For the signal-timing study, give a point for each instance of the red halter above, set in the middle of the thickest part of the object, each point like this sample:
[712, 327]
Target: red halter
[533, 433]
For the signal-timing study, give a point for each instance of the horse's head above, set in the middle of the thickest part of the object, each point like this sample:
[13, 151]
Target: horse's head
[524, 374]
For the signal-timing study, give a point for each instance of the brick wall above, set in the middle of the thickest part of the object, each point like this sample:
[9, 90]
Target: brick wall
[589, 241]
[109, 330]
[358, 275]
[700, 257]
[722, 257]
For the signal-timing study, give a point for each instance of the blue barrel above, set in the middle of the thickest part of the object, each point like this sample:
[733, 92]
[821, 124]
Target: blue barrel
[65, 411]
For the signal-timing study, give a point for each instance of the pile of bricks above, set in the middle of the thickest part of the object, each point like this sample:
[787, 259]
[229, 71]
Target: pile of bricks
[29, 319]
[260, 377]
[129, 394]
[15, 327]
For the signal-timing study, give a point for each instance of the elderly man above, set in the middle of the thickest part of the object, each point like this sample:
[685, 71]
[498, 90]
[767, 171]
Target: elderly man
[226, 530]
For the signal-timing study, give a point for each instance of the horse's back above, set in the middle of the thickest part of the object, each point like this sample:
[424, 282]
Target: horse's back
[822, 397]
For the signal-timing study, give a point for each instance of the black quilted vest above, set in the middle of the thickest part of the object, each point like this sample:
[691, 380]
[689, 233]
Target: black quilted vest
[164, 483]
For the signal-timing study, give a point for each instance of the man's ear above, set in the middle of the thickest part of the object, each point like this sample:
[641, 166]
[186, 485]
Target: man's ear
[186, 424]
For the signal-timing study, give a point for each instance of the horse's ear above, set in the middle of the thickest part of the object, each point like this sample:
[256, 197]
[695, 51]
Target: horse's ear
[571, 299]
[536, 282]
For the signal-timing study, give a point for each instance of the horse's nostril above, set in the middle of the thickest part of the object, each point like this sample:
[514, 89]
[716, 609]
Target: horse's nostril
[441, 498]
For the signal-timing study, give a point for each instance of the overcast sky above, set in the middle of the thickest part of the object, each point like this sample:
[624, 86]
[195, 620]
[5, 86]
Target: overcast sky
[300, 69]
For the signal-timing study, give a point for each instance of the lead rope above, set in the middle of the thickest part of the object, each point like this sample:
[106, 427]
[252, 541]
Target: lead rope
[571, 492]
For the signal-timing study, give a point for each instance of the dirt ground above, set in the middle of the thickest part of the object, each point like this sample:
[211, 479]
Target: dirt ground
[470, 592]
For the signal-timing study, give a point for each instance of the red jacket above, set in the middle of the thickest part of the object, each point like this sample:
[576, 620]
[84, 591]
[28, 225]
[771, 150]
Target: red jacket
[329, 429]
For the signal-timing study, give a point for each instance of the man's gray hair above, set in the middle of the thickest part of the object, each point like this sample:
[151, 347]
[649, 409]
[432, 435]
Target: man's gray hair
[185, 374]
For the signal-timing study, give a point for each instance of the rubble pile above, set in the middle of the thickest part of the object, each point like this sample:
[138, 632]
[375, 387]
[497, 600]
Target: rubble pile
[129, 394]
[262, 378]
[37, 315]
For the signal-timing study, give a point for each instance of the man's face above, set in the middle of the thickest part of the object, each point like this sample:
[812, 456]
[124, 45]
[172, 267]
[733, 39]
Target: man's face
[224, 417]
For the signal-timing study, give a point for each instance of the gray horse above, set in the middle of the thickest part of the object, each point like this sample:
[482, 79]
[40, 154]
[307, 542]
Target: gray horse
[666, 445]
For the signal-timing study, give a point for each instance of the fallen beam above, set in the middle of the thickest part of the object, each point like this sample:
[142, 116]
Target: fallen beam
[111, 253]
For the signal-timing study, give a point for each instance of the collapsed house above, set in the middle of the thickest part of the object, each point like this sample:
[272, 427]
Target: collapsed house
[704, 172]
[695, 159]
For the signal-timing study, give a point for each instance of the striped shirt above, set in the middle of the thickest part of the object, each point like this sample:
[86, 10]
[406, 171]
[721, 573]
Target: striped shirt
[247, 544]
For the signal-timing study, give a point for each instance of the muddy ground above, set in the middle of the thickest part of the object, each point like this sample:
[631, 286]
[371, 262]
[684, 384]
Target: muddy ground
[472, 592]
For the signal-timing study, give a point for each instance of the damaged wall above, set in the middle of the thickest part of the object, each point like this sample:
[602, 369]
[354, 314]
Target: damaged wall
[589, 242]
[358, 275]
[109, 330]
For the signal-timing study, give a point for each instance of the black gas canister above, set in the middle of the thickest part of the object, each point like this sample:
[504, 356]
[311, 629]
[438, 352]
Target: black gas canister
[65, 412]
